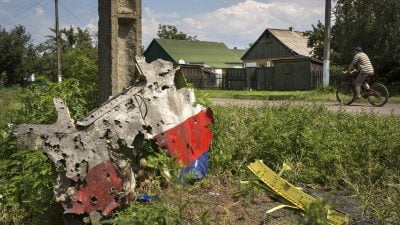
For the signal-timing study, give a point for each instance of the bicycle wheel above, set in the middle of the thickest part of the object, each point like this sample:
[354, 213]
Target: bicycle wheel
[345, 93]
[378, 95]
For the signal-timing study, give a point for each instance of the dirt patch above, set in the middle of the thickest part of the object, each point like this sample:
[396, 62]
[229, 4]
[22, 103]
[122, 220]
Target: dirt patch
[223, 200]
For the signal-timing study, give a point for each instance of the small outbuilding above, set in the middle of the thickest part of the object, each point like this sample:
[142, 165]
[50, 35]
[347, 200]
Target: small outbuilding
[281, 60]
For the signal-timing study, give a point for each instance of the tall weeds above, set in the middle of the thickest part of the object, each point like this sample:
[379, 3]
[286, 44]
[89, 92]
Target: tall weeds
[333, 150]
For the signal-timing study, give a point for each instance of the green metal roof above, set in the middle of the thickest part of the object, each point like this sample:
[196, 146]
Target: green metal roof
[213, 54]
[239, 52]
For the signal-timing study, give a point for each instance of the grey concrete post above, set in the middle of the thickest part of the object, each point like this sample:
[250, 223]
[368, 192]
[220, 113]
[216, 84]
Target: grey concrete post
[120, 40]
[327, 42]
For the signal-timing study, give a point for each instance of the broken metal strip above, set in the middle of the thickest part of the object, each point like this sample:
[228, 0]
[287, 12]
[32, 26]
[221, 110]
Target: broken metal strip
[292, 194]
[280, 207]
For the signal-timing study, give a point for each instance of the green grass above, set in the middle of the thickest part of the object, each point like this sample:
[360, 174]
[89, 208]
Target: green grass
[8, 99]
[311, 95]
[334, 150]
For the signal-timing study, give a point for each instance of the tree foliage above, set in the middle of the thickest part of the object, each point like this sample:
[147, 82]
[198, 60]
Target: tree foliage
[374, 25]
[316, 40]
[17, 55]
[171, 32]
[70, 38]
[76, 43]
[19, 58]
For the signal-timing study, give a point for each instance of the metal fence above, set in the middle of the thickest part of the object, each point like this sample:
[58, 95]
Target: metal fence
[253, 79]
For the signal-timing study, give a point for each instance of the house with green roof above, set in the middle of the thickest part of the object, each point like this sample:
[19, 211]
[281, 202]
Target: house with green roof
[208, 54]
[214, 57]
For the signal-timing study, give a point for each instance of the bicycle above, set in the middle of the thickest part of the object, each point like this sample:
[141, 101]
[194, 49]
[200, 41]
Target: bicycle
[377, 94]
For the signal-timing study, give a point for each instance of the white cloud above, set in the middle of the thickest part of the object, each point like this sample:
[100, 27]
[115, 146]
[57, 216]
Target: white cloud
[242, 23]
[150, 22]
[39, 11]
[5, 1]
[93, 25]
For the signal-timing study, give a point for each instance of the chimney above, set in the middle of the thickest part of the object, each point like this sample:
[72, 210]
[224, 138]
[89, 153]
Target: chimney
[291, 29]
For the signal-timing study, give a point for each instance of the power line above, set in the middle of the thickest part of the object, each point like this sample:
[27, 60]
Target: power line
[27, 6]
[72, 14]
[21, 12]
[82, 5]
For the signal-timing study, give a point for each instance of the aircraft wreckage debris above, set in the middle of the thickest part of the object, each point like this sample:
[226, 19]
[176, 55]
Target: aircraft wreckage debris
[91, 178]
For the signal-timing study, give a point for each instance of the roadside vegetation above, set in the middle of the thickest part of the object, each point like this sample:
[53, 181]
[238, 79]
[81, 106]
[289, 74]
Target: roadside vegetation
[312, 95]
[329, 152]
[321, 94]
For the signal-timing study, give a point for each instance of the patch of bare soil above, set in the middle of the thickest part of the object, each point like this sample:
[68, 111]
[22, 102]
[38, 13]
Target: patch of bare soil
[223, 200]
[346, 202]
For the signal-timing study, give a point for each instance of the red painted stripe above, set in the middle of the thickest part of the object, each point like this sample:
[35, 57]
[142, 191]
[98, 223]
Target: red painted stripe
[101, 192]
[188, 140]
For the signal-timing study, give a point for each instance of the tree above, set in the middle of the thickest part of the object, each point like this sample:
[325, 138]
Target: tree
[316, 40]
[375, 25]
[70, 38]
[171, 32]
[16, 54]
[73, 41]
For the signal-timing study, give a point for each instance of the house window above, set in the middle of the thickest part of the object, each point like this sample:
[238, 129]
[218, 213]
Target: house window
[269, 64]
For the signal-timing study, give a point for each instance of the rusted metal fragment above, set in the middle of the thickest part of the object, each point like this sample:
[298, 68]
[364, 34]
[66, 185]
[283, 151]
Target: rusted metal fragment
[93, 176]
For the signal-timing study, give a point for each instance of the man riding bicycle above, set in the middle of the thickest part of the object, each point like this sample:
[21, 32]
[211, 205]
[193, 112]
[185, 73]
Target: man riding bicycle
[364, 65]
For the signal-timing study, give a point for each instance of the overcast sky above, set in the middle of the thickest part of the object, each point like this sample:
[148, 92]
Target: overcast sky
[234, 22]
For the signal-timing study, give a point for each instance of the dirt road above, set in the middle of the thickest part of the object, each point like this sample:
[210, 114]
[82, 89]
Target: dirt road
[363, 106]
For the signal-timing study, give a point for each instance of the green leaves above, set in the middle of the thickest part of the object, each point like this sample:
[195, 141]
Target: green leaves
[358, 22]
[26, 188]
[16, 51]
[171, 32]
[316, 40]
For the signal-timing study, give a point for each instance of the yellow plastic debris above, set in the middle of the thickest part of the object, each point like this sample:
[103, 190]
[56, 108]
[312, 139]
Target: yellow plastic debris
[292, 194]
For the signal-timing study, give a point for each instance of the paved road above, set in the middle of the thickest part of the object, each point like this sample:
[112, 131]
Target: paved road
[387, 109]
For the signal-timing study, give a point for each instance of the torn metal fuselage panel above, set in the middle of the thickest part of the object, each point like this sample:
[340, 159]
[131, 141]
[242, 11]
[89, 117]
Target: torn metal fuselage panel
[93, 178]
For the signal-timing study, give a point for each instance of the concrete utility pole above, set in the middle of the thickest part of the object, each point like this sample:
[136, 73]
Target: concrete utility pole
[58, 41]
[120, 40]
[327, 42]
